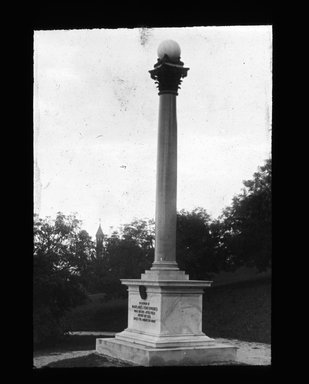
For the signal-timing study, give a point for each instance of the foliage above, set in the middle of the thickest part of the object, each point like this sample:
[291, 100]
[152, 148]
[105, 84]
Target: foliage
[142, 233]
[127, 254]
[194, 244]
[61, 254]
[246, 224]
[241, 236]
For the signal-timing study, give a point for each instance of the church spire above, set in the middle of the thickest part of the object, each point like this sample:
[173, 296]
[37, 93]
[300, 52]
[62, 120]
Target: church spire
[99, 233]
[99, 241]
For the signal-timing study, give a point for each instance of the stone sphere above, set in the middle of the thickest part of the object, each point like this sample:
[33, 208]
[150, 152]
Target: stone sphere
[169, 48]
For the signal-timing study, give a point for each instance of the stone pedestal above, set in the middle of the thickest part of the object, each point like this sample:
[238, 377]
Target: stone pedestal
[169, 316]
[165, 325]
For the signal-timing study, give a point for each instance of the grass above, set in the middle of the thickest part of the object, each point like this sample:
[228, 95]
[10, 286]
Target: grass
[66, 344]
[240, 311]
[99, 315]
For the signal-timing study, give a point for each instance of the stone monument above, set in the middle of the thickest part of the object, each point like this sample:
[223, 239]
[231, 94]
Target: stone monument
[164, 305]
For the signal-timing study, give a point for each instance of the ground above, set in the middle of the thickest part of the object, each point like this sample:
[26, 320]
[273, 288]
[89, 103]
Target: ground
[240, 313]
[247, 354]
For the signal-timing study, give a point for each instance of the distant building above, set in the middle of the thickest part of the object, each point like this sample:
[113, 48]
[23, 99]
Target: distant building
[99, 242]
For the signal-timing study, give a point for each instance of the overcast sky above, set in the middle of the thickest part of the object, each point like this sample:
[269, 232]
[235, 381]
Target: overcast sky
[96, 119]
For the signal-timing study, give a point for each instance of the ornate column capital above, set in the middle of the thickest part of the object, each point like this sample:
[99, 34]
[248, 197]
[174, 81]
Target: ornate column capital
[168, 75]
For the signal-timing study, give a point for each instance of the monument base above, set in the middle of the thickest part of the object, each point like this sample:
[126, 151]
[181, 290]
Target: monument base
[165, 323]
[138, 354]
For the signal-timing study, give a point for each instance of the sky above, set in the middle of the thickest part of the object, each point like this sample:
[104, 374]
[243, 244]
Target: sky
[96, 119]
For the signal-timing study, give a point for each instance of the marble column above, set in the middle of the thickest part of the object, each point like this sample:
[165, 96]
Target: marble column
[168, 73]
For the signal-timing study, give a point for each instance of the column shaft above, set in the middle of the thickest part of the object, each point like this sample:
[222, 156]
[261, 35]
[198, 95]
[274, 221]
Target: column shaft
[166, 188]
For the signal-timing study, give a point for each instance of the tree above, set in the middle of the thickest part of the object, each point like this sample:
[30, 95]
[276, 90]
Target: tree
[61, 253]
[128, 253]
[195, 243]
[246, 224]
[142, 232]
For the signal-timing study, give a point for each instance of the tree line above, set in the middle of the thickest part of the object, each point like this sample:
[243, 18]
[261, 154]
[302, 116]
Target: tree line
[67, 269]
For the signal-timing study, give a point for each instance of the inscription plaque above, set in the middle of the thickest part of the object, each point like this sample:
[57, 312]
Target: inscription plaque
[144, 312]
